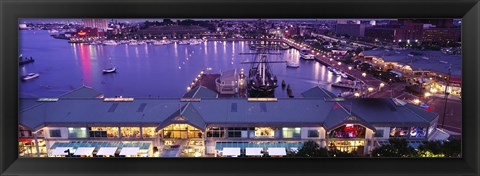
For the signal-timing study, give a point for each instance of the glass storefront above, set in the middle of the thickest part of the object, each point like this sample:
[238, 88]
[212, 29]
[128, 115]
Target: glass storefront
[348, 131]
[350, 146]
[130, 132]
[399, 131]
[182, 131]
[418, 132]
[111, 132]
[291, 132]
[264, 132]
[148, 132]
[77, 132]
[27, 148]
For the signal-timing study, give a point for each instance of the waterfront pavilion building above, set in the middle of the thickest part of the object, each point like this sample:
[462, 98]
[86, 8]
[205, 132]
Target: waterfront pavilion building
[203, 125]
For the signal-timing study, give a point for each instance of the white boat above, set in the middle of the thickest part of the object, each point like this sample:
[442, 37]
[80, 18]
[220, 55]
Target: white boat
[307, 56]
[344, 75]
[110, 70]
[347, 84]
[95, 43]
[142, 42]
[30, 76]
[52, 31]
[293, 65]
[110, 42]
[133, 42]
[161, 42]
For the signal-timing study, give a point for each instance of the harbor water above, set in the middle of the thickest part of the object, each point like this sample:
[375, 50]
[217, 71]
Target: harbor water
[148, 70]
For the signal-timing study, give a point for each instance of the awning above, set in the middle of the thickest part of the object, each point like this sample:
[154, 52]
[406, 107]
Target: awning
[107, 151]
[253, 151]
[129, 151]
[61, 150]
[84, 151]
[231, 151]
[277, 151]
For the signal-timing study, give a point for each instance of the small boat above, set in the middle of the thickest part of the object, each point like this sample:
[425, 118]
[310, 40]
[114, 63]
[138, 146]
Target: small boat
[347, 84]
[292, 65]
[110, 42]
[110, 70]
[25, 60]
[30, 76]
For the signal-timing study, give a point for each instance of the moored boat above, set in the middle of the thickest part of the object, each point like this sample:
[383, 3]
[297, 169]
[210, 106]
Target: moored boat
[30, 76]
[110, 70]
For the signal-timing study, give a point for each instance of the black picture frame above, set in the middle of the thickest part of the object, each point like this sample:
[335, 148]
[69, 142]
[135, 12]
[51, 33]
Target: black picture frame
[12, 10]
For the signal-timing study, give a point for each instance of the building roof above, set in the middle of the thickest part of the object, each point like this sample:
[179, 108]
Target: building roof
[428, 60]
[284, 112]
[318, 109]
[318, 92]
[200, 92]
[82, 92]
[384, 111]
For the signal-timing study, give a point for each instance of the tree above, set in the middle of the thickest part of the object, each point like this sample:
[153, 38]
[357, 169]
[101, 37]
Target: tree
[451, 148]
[396, 148]
[311, 149]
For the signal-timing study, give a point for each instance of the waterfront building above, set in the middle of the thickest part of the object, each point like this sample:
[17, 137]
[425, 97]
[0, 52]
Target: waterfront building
[101, 24]
[87, 125]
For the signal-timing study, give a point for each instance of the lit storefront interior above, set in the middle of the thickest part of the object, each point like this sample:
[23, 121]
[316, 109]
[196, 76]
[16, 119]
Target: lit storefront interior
[181, 131]
[348, 138]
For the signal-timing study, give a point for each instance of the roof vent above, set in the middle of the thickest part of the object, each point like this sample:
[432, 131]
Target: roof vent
[113, 107]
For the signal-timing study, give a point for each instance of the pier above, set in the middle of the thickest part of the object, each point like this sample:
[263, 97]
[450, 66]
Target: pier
[373, 84]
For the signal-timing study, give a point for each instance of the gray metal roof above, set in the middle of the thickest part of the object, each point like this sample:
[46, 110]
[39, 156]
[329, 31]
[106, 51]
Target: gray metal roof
[285, 112]
[318, 92]
[386, 112]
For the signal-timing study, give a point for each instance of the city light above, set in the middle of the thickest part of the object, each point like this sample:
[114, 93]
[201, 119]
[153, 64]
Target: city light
[357, 94]
[370, 89]
[350, 68]
[382, 85]
[364, 74]
[427, 94]
[339, 63]
[416, 101]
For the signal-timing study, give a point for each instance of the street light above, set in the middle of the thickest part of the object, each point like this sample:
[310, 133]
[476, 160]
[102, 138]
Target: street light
[356, 95]
[370, 89]
[350, 68]
[339, 63]
[382, 85]
[416, 101]
[364, 74]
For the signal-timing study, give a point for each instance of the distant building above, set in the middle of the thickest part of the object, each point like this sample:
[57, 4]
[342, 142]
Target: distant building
[356, 30]
[101, 24]
[442, 35]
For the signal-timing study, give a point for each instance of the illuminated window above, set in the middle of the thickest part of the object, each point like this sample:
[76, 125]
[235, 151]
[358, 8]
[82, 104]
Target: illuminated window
[148, 132]
[264, 132]
[418, 132]
[399, 132]
[130, 132]
[348, 131]
[97, 132]
[291, 132]
[216, 132]
[77, 132]
[182, 131]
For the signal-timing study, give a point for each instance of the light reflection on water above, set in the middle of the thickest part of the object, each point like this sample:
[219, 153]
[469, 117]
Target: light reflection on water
[153, 70]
